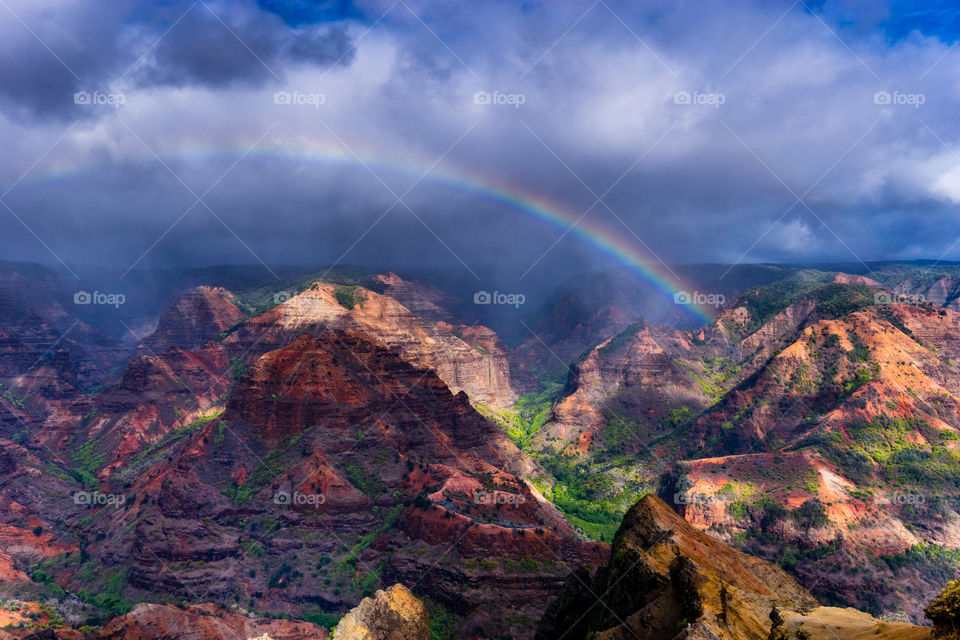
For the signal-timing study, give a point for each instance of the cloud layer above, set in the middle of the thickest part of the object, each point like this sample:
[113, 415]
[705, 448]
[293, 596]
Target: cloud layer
[375, 132]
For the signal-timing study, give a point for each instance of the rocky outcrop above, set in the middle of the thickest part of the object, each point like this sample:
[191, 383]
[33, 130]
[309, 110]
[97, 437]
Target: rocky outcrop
[157, 395]
[36, 307]
[175, 375]
[942, 291]
[643, 372]
[391, 614]
[197, 317]
[333, 457]
[668, 580]
[426, 302]
[848, 278]
[202, 622]
[470, 360]
[809, 416]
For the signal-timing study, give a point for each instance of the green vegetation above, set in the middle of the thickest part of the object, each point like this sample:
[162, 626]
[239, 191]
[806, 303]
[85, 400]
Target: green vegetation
[177, 434]
[712, 375]
[765, 512]
[810, 515]
[680, 417]
[532, 411]
[269, 467]
[936, 560]
[87, 462]
[934, 470]
[883, 435]
[368, 483]
[593, 497]
[861, 376]
[944, 611]
[237, 367]
[887, 449]
[832, 301]
[263, 297]
[623, 338]
[888, 313]
[388, 523]
[889, 446]
[367, 582]
[328, 621]
[283, 576]
[15, 398]
[443, 624]
[856, 465]
[110, 596]
[617, 434]
[43, 576]
[220, 435]
[348, 296]
[860, 351]
[763, 536]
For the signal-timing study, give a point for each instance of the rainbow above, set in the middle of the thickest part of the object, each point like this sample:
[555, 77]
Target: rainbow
[642, 262]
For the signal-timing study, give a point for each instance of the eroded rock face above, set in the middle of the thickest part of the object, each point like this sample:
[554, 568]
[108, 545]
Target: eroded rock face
[944, 291]
[156, 395]
[176, 375]
[667, 580]
[32, 309]
[383, 469]
[826, 401]
[428, 303]
[197, 317]
[202, 622]
[317, 400]
[392, 614]
[649, 369]
[466, 359]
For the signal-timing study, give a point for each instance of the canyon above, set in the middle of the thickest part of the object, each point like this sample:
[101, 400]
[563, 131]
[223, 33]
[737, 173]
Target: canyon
[260, 462]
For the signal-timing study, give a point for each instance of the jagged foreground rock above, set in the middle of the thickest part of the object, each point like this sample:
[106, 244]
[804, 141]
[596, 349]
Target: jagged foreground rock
[668, 580]
[392, 614]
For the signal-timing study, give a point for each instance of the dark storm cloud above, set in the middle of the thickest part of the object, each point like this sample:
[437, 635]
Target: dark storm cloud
[49, 53]
[715, 132]
[46, 60]
[240, 47]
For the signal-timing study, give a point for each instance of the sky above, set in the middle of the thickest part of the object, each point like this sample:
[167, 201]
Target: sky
[538, 137]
